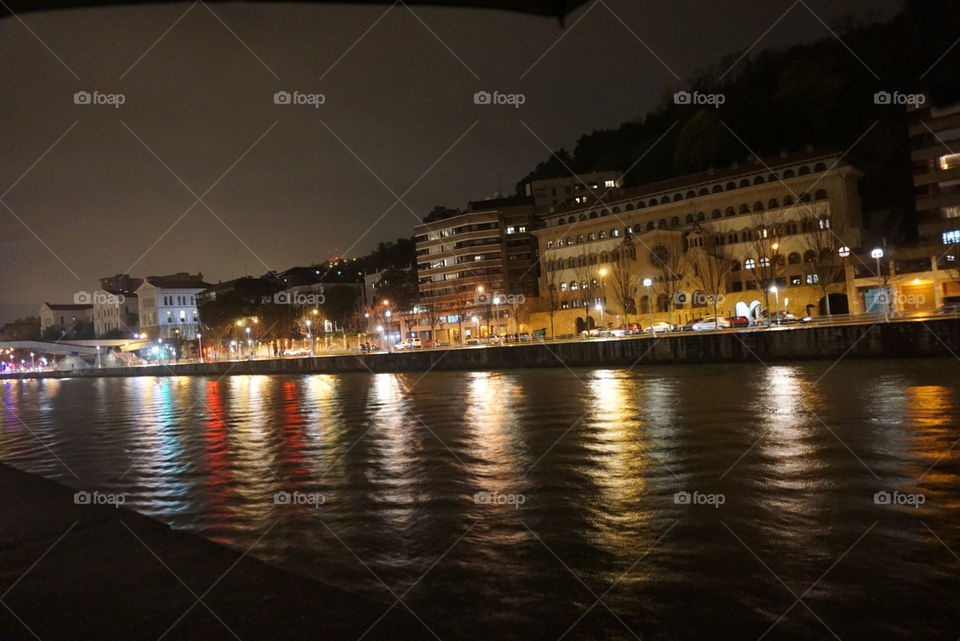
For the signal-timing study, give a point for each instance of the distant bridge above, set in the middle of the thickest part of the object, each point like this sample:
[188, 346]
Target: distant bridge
[74, 347]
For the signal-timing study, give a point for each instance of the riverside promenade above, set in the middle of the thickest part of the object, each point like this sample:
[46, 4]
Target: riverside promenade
[936, 337]
[70, 572]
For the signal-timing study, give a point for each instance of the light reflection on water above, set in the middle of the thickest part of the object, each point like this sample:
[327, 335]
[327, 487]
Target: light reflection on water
[597, 456]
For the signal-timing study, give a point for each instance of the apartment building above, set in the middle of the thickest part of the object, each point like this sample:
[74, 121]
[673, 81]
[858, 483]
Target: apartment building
[468, 259]
[935, 156]
[771, 225]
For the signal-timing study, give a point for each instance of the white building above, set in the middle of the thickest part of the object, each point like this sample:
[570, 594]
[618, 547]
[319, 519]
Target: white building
[168, 306]
[115, 312]
[65, 317]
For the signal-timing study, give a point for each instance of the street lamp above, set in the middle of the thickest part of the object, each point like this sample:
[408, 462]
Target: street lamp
[33, 363]
[599, 308]
[776, 293]
[200, 345]
[496, 312]
[249, 342]
[648, 283]
[844, 251]
[877, 254]
[476, 319]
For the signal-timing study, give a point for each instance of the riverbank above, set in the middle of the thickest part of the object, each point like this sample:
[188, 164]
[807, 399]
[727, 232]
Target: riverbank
[900, 339]
[97, 572]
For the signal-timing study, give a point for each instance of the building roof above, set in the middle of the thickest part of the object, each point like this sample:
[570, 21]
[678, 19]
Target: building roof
[119, 292]
[499, 203]
[752, 166]
[180, 280]
[68, 307]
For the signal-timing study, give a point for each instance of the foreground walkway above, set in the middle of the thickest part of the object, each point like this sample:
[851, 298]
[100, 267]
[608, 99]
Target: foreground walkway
[84, 572]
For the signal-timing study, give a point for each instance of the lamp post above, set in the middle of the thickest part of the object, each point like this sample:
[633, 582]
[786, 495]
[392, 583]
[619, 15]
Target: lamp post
[496, 313]
[200, 345]
[476, 319]
[599, 308]
[648, 283]
[310, 336]
[33, 363]
[249, 342]
[776, 293]
[383, 339]
[877, 254]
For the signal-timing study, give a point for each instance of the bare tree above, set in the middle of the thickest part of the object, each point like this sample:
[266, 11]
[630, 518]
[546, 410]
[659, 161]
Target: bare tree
[625, 278]
[821, 259]
[459, 307]
[434, 315]
[765, 247]
[516, 308]
[669, 258]
[711, 270]
[582, 270]
[552, 296]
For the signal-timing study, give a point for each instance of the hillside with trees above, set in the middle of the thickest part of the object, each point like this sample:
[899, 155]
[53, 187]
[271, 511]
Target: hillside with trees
[817, 93]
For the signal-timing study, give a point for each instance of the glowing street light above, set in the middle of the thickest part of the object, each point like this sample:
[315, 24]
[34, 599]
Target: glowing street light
[599, 308]
[844, 251]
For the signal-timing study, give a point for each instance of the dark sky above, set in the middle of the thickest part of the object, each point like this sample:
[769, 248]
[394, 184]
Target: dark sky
[317, 181]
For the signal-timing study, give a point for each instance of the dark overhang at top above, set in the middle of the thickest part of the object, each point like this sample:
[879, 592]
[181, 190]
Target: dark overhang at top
[556, 8]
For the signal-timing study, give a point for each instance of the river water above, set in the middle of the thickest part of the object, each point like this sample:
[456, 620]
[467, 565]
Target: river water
[680, 502]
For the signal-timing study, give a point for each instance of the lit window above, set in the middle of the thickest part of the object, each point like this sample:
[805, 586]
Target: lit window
[950, 212]
[511, 230]
[951, 237]
[609, 183]
[950, 161]
[813, 279]
[749, 264]
[764, 262]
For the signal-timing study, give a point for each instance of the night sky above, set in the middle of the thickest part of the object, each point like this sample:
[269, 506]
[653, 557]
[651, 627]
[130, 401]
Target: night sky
[293, 184]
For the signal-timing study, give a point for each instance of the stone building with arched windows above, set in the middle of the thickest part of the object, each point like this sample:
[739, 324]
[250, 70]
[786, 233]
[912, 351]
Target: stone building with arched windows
[764, 225]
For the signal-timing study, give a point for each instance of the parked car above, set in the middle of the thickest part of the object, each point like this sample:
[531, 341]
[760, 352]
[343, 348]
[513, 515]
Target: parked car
[950, 305]
[627, 330]
[659, 327]
[739, 321]
[710, 322]
[409, 343]
[431, 343]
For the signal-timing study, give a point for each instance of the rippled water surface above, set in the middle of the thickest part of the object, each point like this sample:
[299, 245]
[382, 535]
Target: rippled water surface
[584, 536]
